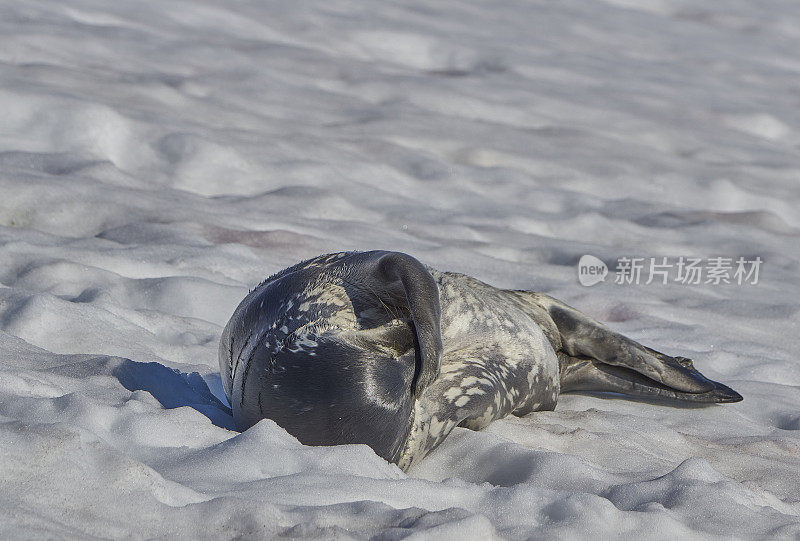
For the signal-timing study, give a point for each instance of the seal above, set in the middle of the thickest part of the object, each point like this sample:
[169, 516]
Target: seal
[376, 348]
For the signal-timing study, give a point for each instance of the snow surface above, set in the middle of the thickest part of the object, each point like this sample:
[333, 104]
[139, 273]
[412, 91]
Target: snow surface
[159, 158]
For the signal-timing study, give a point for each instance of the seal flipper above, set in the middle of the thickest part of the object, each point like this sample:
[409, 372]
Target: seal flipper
[595, 358]
[585, 374]
[400, 280]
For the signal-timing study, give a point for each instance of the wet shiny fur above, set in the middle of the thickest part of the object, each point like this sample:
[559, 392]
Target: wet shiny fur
[376, 348]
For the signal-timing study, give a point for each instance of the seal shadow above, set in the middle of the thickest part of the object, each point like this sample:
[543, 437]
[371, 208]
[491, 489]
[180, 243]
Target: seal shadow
[174, 389]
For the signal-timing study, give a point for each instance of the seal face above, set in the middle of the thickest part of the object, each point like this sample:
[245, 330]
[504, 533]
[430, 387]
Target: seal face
[376, 348]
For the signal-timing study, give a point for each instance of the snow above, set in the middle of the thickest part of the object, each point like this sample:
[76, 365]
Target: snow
[160, 158]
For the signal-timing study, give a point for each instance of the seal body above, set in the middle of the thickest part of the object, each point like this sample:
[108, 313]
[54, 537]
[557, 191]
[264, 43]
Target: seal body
[376, 348]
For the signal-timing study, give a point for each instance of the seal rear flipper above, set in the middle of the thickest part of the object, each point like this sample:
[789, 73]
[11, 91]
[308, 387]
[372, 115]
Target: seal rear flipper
[582, 336]
[585, 374]
[618, 362]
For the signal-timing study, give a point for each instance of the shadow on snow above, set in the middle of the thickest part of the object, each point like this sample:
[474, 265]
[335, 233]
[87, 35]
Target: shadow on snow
[174, 389]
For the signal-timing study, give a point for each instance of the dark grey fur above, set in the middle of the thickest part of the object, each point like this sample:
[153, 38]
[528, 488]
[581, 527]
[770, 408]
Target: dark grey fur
[376, 348]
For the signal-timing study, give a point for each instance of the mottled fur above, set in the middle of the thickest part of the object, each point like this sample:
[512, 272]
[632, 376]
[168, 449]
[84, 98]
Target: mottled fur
[376, 348]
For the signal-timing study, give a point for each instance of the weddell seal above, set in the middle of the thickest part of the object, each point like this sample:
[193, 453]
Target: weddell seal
[377, 348]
